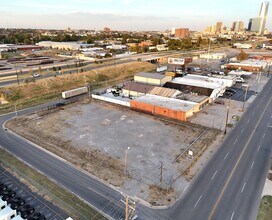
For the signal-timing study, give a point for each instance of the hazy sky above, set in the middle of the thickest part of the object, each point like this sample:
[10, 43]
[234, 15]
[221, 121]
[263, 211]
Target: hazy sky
[126, 14]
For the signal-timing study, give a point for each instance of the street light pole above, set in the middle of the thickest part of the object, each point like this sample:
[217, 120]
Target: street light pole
[126, 154]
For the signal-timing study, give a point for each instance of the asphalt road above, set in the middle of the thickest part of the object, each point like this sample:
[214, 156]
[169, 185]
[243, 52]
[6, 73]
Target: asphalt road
[229, 186]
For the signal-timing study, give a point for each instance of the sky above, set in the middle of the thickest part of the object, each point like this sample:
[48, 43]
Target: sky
[132, 15]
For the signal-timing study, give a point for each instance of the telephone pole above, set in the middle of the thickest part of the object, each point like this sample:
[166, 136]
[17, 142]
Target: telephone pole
[243, 108]
[161, 167]
[227, 118]
[130, 207]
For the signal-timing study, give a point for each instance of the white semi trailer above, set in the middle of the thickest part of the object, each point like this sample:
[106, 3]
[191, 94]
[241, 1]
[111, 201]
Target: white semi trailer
[74, 92]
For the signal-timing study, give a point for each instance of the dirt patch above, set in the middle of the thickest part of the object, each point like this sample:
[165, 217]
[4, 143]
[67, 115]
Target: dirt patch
[159, 195]
[95, 137]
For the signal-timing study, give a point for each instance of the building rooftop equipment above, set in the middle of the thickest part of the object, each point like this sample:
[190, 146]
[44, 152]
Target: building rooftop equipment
[170, 103]
[138, 87]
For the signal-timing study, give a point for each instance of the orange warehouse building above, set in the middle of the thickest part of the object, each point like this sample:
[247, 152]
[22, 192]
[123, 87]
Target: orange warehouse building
[167, 107]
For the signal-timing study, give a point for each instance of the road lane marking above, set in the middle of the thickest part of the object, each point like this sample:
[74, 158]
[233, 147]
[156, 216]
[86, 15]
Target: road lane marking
[226, 156]
[252, 165]
[185, 188]
[214, 174]
[268, 124]
[198, 201]
[258, 105]
[243, 130]
[232, 216]
[243, 187]
[248, 120]
[235, 141]
[264, 135]
[237, 162]
[259, 147]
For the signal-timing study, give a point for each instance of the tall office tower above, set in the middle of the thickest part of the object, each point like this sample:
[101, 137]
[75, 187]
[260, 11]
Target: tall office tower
[219, 27]
[238, 26]
[255, 25]
[263, 15]
[182, 32]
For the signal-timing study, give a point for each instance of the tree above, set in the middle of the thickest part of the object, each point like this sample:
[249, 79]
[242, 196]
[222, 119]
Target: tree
[242, 56]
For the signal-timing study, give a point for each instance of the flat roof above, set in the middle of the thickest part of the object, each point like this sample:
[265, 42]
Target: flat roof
[165, 92]
[7, 211]
[171, 103]
[138, 87]
[192, 97]
[196, 82]
[151, 75]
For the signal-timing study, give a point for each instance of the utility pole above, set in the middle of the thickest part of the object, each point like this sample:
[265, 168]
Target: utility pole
[130, 207]
[243, 108]
[161, 166]
[227, 118]
[126, 154]
[16, 73]
[258, 78]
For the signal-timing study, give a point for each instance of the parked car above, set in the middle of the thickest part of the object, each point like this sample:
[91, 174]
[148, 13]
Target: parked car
[3, 187]
[26, 210]
[239, 80]
[233, 91]
[228, 93]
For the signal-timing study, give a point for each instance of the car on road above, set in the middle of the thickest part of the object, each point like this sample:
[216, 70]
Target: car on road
[36, 75]
[239, 80]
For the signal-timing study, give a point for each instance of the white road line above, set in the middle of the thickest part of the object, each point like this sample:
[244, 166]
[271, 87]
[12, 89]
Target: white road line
[252, 165]
[226, 156]
[214, 174]
[243, 187]
[248, 120]
[243, 130]
[198, 201]
[258, 106]
[185, 188]
[259, 147]
[268, 124]
[235, 141]
[232, 216]
[264, 135]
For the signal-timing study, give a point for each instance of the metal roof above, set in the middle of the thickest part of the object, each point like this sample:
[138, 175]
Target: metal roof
[170, 103]
[165, 92]
[151, 75]
[138, 87]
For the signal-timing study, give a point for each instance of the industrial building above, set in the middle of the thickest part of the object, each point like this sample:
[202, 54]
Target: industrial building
[197, 85]
[134, 89]
[155, 79]
[213, 56]
[247, 65]
[63, 45]
[167, 107]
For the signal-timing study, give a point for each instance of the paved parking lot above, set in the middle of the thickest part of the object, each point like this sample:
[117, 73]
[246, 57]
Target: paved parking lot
[40, 205]
[239, 95]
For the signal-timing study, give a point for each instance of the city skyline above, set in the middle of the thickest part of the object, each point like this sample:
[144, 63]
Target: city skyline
[126, 14]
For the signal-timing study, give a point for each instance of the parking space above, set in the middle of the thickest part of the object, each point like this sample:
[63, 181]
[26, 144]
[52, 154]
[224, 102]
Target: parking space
[26, 202]
[239, 95]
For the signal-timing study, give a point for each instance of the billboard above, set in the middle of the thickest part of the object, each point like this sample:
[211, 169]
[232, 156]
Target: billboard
[176, 61]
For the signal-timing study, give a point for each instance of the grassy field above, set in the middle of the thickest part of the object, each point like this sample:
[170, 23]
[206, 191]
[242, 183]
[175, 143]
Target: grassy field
[265, 210]
[41, 91]
[65, 200]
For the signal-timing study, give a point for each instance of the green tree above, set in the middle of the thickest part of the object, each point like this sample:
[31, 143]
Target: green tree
[242, 56]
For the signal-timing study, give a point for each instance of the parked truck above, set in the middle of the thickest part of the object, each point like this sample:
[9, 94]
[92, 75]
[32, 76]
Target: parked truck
[74, 92]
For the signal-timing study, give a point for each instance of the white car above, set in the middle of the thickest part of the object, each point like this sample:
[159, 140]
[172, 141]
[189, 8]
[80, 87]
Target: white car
[239, 80]
[36, 75]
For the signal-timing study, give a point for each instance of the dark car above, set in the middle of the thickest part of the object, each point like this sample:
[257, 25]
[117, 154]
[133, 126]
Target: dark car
[37, 216]
[3, 187]
[228, 93]
[230, 90]
[6, 195]
[26, 209]
[16, 202]
[60, 104]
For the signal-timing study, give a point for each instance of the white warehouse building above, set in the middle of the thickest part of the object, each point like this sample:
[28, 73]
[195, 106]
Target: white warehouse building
[213, 56]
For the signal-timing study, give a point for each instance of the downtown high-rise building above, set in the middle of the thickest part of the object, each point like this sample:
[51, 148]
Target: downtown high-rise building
[258, 24]
[237, 26]
[263, 14]
[219, 27]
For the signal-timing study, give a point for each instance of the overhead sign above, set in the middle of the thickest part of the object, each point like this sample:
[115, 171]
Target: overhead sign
[176, 61]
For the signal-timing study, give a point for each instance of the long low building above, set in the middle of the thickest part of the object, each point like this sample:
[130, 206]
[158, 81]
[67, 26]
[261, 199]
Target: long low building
[198, 85]
[247, 65]
[167, 107]
[154, 79]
